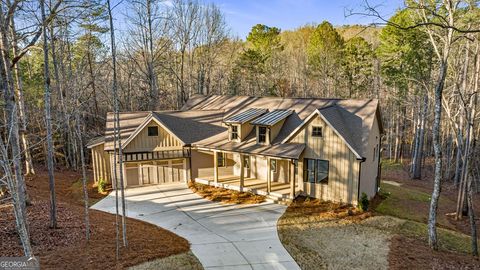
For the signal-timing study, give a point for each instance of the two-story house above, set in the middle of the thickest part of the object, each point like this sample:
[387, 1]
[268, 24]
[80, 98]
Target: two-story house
[282, 147]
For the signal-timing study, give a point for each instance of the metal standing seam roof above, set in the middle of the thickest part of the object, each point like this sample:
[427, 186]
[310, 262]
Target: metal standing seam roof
[271, 118]
[245, 116]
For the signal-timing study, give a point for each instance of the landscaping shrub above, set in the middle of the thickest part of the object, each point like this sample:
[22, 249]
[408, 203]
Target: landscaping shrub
[363, 205]
[101, 185]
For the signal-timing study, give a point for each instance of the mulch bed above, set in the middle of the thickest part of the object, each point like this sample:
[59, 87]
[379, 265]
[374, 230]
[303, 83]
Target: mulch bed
[408, 253]
[225, 195]
[66, 246]
[307, 206]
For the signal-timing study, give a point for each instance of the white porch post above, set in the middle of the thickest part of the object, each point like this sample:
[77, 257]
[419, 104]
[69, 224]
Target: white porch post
[291, 177]
[242, 173]
[215, 167]
[269, 175]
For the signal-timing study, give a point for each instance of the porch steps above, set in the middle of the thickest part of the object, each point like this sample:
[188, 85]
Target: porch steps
[274, 198]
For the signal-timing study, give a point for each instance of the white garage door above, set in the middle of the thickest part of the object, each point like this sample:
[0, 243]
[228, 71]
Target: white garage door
[156, 172]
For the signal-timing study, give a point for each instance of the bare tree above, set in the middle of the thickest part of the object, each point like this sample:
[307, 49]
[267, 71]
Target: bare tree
[48, 121]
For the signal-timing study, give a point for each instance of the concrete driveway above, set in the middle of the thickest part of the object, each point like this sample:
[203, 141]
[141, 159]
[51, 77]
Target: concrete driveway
[222, 236]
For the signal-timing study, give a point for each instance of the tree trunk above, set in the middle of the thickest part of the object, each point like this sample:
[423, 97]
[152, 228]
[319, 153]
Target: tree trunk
[15, 179]
[21, 105]
[417, 162]
[48, 120]
[117, 128]
[432, 218]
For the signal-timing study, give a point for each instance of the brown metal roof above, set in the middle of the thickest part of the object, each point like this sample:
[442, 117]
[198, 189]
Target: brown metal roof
[245, 116]
[352, 117]
[271, 118]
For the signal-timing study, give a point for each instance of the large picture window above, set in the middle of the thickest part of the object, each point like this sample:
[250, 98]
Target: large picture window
[315, 171]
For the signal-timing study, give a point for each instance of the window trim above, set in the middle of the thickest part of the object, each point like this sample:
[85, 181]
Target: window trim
[223, 155]
[246, 162]
[237, 137]
[313, 134]
[265, 135]
[315, 171]
[273, 161]
[151, 128]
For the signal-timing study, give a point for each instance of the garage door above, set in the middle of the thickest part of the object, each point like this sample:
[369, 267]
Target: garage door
[156, 172]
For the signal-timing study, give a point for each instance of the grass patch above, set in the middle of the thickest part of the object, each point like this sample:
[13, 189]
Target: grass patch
[183, 261]
[447, 239]
[391, 165]
[408, 203]
[223, 195]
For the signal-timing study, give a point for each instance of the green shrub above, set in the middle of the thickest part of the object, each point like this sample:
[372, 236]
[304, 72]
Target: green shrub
[101, 185]
[363, 205]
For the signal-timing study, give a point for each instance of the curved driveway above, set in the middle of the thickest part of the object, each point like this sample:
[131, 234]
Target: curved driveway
[222, 236]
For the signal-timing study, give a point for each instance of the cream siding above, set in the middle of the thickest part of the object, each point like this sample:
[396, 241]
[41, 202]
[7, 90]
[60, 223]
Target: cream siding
[144, 143]
[369, 170]
[100, 163]
[343, 165]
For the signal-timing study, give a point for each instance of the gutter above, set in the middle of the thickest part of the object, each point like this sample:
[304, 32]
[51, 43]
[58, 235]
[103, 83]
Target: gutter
[359, 176]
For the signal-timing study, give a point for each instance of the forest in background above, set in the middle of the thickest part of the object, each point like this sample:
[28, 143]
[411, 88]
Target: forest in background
[422, 64]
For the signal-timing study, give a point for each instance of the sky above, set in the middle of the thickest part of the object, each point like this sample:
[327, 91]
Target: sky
[241, 15]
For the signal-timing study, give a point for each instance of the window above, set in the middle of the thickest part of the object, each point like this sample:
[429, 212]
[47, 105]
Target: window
[262, 134]
[152, 131]
[221, 159]
[273, 165]
[234, 135]
[317, 132]
[246, 162]
[316, 171]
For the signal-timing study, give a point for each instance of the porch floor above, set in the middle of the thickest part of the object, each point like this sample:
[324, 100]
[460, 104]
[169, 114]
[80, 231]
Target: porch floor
[254, 185]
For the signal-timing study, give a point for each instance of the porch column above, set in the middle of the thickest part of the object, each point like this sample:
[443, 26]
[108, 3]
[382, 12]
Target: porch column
[215, 167]
[242, 171]
[291, 178]
[269, 175]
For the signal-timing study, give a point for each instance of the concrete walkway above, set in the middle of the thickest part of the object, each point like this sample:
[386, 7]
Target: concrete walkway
[222, 236]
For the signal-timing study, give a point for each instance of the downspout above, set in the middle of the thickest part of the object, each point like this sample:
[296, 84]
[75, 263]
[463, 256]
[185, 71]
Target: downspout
[359, 177]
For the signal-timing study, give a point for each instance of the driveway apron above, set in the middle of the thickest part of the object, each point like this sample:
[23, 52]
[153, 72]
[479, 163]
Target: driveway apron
[222, 236]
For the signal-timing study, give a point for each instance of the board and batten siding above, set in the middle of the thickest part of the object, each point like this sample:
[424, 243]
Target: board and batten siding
[144, 143]
[100, 164]
[343, 165]
[369, 170]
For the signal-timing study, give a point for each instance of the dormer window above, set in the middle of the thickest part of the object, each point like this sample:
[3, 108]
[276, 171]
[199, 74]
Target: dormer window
[234, 133]
[262, 134]
[152, 131]
[317, 132]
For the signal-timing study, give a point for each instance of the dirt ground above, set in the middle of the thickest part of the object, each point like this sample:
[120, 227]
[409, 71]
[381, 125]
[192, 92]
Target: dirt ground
[66, 246]
[225, 195]
[323, 235]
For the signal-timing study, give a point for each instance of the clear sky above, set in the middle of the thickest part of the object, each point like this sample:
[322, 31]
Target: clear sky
[241, 15]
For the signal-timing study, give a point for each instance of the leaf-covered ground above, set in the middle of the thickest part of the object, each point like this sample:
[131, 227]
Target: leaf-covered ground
[66, 247]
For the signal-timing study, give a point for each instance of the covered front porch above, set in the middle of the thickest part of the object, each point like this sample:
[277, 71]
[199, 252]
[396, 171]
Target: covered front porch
[263, 175]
